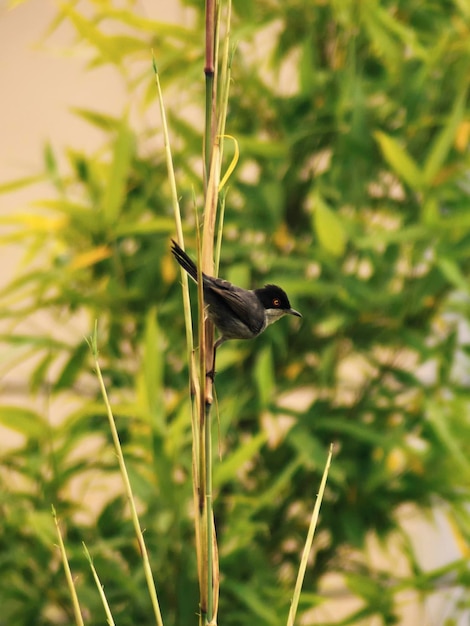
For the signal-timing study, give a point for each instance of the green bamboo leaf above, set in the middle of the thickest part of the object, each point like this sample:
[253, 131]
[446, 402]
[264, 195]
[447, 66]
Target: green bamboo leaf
[264, 376]
[400, 161]
[150, 380]
[430, 211]
[73, 367]
[157, 225]
[52, 167]
[131, 18]
[43, 526]
[444, 141]
[328, 227]
[450, 441]
[399, 29]
[454, 274]
[359, 432]
[28, 224]
[96, 118]
[81, 216]
[383, 40]
[279, 485]
[387, 237]
[19, 183]
[227, 469]
[463, 7]
[50, 160]
[40, 373]
[36, 341]
[23, 421]
[117, 179]
[119, 47]
[87, 29]
[263, 612]
[255, 147]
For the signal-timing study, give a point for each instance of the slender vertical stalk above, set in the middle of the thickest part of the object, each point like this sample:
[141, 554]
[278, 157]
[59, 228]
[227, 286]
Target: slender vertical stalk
[206, 386]
[127, 484]
[206, 339]
[223, 105]
[197, 448]
[209, 71]
[209, 514]
[100, 588]
[308, 543]
[68, 574]
[202, 465]
[177, 215]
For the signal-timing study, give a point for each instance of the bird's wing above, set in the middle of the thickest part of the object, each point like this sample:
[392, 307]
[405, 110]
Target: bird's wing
[244, 304]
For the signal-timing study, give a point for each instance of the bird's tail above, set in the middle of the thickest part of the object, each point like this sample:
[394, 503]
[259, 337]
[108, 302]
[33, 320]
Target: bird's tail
[184, 260]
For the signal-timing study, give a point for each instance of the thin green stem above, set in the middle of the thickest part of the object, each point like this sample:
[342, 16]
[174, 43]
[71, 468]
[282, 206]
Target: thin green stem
[308, 542]
[226, 72]
[208, 128]
[209, 71]
[209, 513]
[127, 485]
[99, 586]
[225, 77]
[68, 574]
[177, 215]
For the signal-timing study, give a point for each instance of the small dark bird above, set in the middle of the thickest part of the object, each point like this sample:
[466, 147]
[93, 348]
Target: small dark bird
[237, 313]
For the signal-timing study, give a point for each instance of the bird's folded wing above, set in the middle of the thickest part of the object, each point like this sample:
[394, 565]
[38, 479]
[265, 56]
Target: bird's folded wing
[244, 304]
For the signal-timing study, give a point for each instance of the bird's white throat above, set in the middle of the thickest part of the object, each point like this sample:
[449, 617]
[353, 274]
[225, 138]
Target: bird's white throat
[272, 315]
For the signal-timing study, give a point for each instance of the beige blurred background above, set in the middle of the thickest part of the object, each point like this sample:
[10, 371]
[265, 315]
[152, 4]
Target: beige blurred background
[41, 81]
[39, 85]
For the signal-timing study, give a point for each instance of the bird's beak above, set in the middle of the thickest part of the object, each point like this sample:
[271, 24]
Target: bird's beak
[294, 312]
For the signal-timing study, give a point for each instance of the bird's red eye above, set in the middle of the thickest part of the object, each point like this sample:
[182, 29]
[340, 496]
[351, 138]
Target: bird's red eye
[276, 302]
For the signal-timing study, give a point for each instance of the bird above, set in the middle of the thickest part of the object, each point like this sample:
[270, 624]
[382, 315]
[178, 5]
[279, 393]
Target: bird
[237, 313]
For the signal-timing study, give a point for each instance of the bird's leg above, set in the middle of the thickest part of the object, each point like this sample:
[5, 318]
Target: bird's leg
[211, 373]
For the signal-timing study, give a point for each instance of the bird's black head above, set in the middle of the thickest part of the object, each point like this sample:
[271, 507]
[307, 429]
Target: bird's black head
[275, 301]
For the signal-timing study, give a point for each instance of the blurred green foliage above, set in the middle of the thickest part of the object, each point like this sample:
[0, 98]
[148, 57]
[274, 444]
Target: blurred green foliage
[352, 192]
